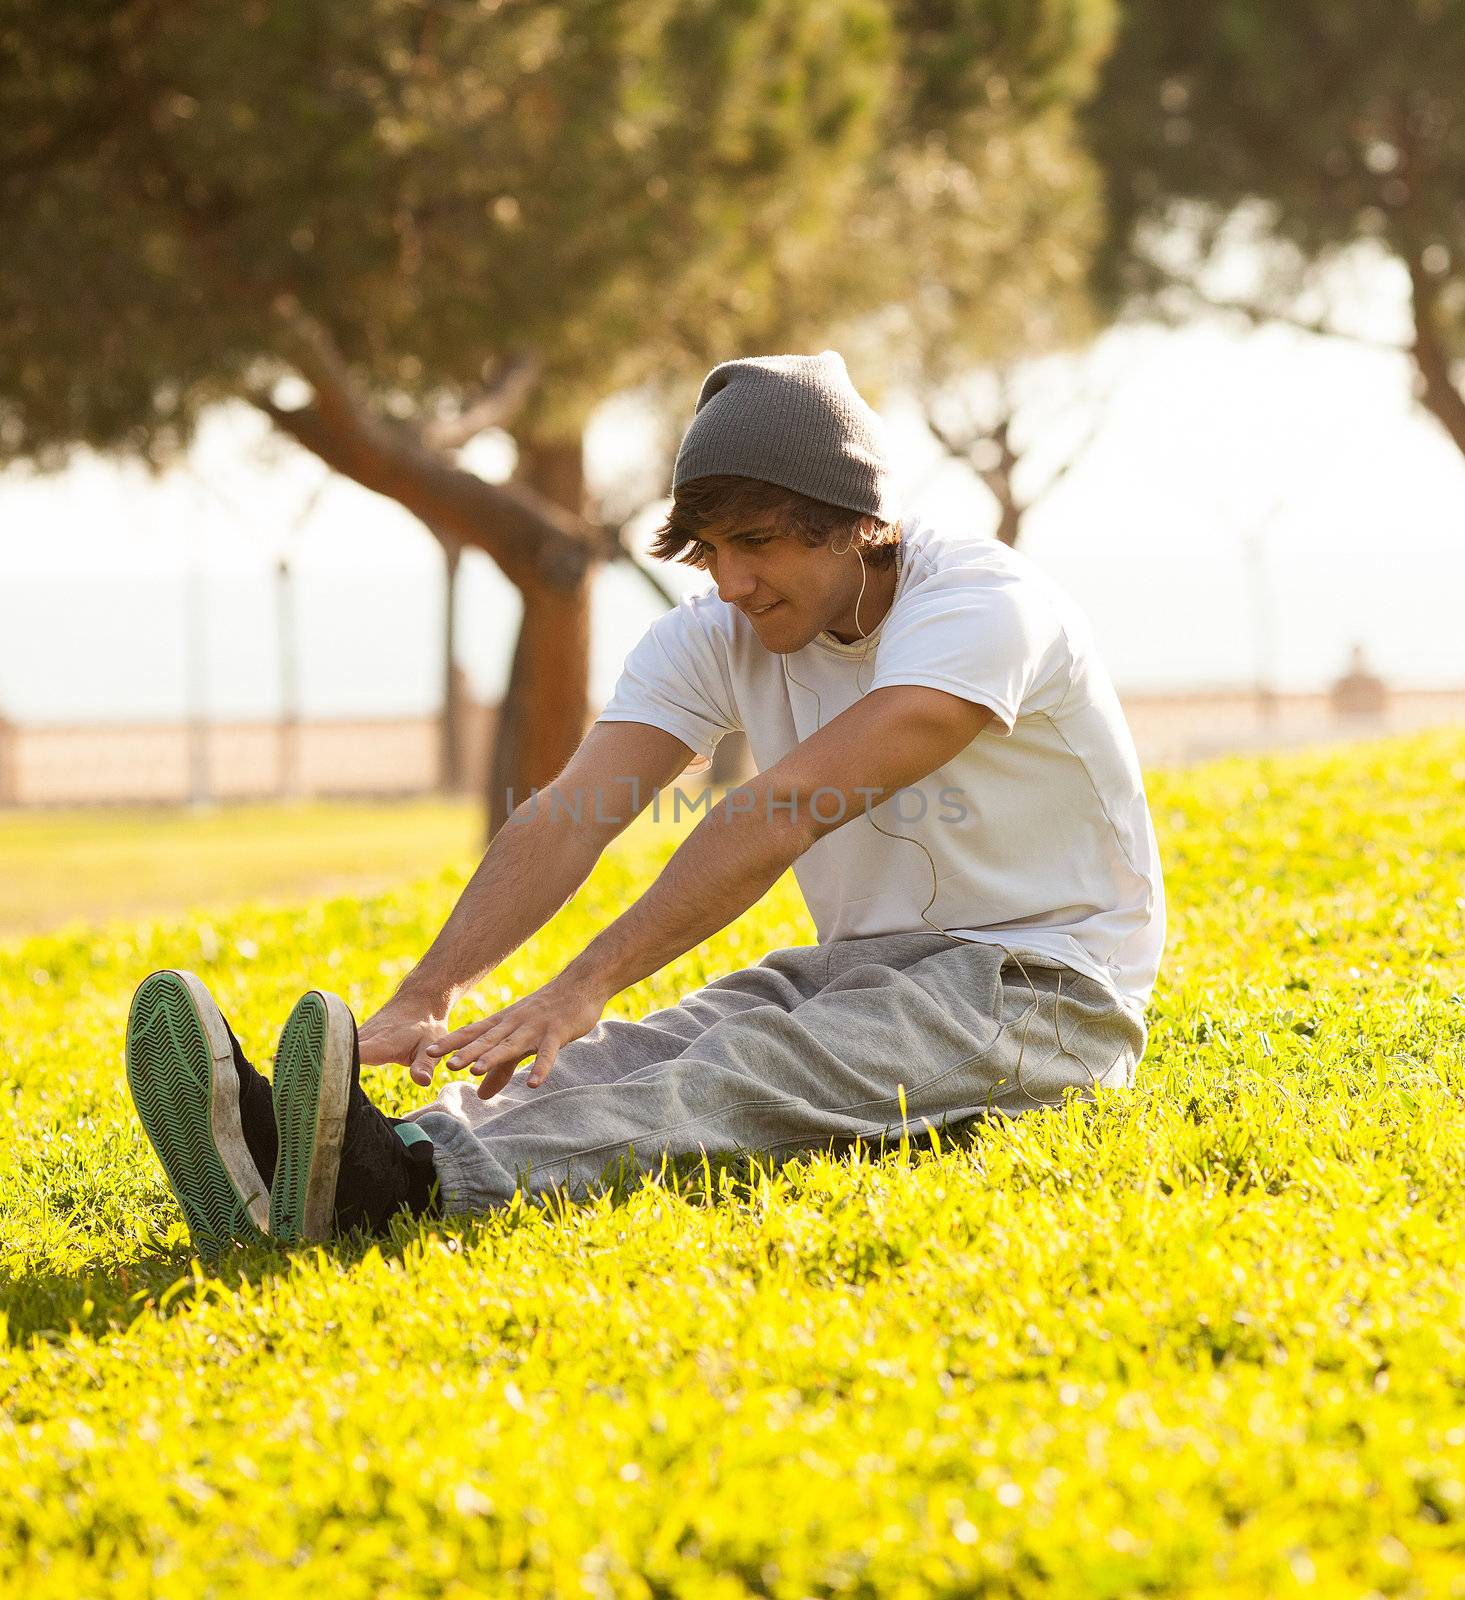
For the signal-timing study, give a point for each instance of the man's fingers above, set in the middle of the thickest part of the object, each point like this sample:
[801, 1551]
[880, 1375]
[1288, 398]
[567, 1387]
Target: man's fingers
[495, 1081]
[495, 1078]
[543, 1062]
[469, 1032]
[513, 1048]
[485, 1048]
[421, 1066]
[386, 1049]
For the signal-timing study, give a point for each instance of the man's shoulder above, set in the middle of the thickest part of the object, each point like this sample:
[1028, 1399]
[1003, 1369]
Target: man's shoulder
[947, 557]
[699, 614]
[702, 625]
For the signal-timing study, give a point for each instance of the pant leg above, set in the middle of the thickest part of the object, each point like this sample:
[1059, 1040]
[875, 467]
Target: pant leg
[614, 1047]
[962, 1029]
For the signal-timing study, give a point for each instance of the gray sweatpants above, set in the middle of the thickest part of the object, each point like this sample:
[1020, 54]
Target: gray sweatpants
[809, 1048]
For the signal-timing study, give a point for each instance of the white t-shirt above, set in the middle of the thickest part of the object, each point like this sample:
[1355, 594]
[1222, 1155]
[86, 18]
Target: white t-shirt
[1036, 836]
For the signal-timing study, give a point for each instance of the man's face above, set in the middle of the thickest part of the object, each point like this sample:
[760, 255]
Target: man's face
[789, 591]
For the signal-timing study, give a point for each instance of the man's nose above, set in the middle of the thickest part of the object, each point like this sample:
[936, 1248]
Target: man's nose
[733, 584]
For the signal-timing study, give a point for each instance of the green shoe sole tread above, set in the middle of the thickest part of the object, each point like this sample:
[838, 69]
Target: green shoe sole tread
[181, 1073]
[312, 1082]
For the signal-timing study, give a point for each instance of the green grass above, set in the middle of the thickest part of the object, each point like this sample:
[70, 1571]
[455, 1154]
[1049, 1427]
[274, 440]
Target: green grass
[62, 867]
[1204, 1339]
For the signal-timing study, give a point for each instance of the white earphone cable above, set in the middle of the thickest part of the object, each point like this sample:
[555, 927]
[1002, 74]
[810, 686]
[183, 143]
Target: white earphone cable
[930, 862]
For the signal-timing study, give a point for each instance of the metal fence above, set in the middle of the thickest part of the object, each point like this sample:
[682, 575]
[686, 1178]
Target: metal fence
[172, 763]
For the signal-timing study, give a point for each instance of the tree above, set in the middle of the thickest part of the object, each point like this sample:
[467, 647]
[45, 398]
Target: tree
[996, 435]
[1314, 130]
[997, 225]
[390, 224]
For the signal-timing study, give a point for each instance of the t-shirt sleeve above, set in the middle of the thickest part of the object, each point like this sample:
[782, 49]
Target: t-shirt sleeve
[988, 637]
[674, 679]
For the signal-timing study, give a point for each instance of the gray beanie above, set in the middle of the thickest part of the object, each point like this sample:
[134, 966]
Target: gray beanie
[796, 421]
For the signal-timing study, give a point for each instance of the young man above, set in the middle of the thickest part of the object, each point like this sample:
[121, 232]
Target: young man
[941, 760]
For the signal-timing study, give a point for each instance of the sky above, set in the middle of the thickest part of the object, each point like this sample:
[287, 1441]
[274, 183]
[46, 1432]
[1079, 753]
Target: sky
[1252, 506]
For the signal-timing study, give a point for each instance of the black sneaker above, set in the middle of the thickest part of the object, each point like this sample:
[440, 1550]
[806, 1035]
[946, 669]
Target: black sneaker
[342, 1164]
[207, 1112]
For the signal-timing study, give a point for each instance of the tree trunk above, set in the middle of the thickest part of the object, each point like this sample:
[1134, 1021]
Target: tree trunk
[289, 787]
[450, 741]
[546, 703]
[1009, 522]
[533, 528]
[1436, 385]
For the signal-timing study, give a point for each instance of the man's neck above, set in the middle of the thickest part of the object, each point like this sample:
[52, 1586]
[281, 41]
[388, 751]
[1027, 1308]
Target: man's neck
[878, 597]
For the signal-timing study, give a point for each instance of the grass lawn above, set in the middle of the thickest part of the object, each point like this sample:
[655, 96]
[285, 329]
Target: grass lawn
[1206, 1338]
[63, 867]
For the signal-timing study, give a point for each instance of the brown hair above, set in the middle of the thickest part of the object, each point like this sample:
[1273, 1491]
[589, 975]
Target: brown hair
[722, 500]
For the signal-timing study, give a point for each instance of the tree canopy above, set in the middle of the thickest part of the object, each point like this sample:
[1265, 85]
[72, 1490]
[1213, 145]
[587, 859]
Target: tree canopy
[446, 186]
[390, 223]
[1336, 126]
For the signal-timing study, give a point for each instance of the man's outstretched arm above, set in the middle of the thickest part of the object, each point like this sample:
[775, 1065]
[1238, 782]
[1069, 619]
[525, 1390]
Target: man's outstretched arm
[532, 868]
[892, 737]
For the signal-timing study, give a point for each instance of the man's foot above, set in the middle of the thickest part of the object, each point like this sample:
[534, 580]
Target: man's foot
[342, 1163]
[206, 1110]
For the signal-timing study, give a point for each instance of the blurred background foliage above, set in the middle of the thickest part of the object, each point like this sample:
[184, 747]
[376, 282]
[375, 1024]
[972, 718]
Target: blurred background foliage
[390, 225]
[394, 226]
[1318, 130]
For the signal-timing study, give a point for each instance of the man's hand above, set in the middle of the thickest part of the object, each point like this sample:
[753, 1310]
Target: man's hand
[402, 1033]
[537, 1026]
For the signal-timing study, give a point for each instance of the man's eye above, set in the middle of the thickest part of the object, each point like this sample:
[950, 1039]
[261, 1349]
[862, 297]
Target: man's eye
[754, 544]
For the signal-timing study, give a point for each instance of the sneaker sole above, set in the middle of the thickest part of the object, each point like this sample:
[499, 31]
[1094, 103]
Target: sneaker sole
[312, 1088]
[181, 1072]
